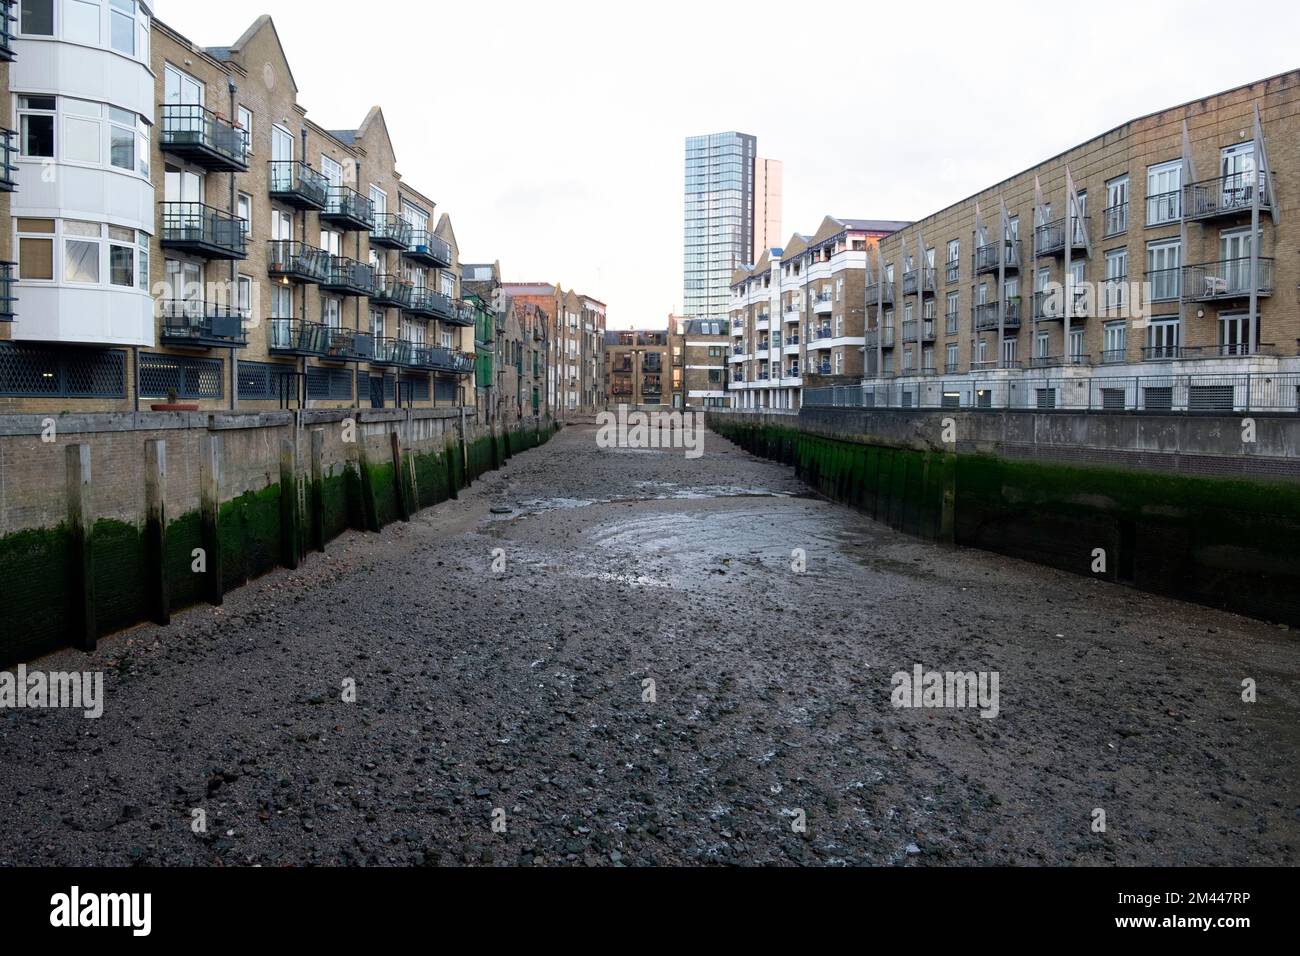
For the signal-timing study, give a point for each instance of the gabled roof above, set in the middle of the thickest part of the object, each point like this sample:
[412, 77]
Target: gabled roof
[794, 247]
[236, 50]
[741, 274]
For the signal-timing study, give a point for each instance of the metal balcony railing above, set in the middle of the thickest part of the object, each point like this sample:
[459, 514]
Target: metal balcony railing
[876, 290]
[390, 231]
[195, 228]
[1228, 279]
[7, 23]
[295, 337]
[919, 281]
[1163, 208]
[391, 351]
[986, 257]
[296, 184]
[200, 324]
[392, 291]
[1114, 220]
[951, 322]
[349, 277]
[823, 302]
[927, 330]
[7, 297]
[985, 315]
[348, 209]
[1049, 239]
[297, 261]
[1166, 284]
[347, 345]
[1226, 196]
[461, 314]
[426, 248]
[8, 168]
[195, 133]
[953, 269]
[428, 302]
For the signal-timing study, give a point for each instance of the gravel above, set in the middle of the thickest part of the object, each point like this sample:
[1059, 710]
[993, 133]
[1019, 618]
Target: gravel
[648, 681]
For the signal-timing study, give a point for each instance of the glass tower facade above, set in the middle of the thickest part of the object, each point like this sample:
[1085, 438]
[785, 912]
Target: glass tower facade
[719, 219]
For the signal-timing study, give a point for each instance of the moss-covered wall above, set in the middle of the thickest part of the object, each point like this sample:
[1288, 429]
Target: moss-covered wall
[35, 565]
[1227, 543]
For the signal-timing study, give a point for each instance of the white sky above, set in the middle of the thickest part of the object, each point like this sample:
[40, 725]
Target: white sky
[552, 132]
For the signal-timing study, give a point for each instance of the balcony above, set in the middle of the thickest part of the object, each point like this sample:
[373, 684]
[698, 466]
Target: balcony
[8, 169]
[985, 316]
[737, 325]
[986, 257]
[1225, 281]
[819, 368]
[927, 330]
[297, 262]
[391, 352]
[296, 184]
[346, 345]
[738, 350]
[391, 292]
[199, 136]
[193, 323]
[427, 249]
[920, 281]
[461, 314]
[1226, 197]
[432, 304]
[1114, 220]
[7, 297]
[819, 333]
[390, 231]
[792, 340]
[953, 270]
[200, 230]
[293, 337]
[349, 277]
[875, 291]
[349, 210]
[1049, 239]
[7, 21]
[823, 304]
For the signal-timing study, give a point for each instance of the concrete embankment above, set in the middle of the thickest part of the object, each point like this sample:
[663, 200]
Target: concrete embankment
[1173, 507]
[110, 520]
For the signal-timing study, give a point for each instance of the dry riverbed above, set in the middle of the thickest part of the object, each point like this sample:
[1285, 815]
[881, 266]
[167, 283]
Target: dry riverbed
[522, 697]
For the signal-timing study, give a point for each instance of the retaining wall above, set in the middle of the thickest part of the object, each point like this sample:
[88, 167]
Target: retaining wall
[107, 520]
[1179, 514]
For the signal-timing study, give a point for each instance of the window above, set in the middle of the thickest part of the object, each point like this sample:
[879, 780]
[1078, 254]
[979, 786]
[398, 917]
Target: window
[1164, 193]
[1116, 280]
[1076, 346]
[81, 254]
[122, 26]
[1009, 349]
[36, 249]
[245, 206]
[954, 299]
[1164, 337]
[952, 358]
[1164, 261]
[37, 18]
[121, 143]
[1115, 342]
[1042, 345]
[36, 126]
[121, 257]
[82, 131]
[281, 301]
[81, 21]
[331, 170]
[332, 312]
[378, 201]
[244, 296]
[1116, 212]
[245, 120]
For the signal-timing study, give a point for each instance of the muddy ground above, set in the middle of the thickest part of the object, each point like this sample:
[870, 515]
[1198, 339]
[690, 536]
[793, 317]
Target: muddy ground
[524, 692]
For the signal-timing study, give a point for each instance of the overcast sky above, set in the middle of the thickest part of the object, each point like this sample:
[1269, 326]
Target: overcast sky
[552, 132]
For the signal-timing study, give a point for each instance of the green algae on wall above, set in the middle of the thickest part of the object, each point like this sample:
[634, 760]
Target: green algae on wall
[1228, 543]
[35, 572]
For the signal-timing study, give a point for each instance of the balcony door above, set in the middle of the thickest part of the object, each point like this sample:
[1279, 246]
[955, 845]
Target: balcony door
[180, 89]
[1237, 166]
[184, 288]
[1234, 254]
[1234, 333]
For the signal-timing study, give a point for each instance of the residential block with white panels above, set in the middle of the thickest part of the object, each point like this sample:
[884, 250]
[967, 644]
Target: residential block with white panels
[180, 228]
[798, 314]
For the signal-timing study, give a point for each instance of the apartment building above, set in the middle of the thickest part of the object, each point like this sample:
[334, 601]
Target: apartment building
[1146, 269]
[638, 363]
[482, 287]
[574, 345]
[699, 355]
[183, 231]
[733, 204]
[798, 315]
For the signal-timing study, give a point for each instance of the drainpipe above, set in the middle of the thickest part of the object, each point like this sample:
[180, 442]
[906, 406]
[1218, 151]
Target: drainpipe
[234, 274]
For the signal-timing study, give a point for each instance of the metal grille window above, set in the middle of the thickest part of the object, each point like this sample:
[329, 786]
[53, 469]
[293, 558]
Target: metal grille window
[329, 383]
[260, 381]
[1046, 397]
[1158, 398]
[444, 390]
[188, 377]
[36, 371]
[1207, 398]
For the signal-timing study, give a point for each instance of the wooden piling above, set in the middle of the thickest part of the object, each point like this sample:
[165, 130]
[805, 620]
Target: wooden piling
[155, 531]
[209, 514]
[82, 630]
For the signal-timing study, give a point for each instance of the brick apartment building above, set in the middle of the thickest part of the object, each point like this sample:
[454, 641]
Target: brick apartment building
[221, 247]
[798, 316]
[700, 351]
[1148, 268]
[638, 366]
[573, 345]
